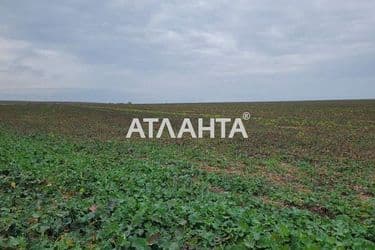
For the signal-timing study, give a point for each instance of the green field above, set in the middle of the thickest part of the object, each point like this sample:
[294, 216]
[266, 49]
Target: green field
[304, 179]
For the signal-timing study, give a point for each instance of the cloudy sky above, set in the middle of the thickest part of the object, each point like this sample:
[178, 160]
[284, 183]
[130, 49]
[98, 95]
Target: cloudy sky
[186, 51]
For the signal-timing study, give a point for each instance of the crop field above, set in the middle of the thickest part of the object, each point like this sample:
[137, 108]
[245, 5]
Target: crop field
[304, 179]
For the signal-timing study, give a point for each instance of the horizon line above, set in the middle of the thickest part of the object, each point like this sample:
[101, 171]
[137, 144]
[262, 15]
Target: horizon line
[192, 102]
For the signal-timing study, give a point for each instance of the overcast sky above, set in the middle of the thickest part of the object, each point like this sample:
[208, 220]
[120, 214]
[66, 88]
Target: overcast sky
[186, 51]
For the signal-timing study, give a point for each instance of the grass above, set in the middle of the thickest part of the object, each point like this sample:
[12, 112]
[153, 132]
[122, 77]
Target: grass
[303, 180]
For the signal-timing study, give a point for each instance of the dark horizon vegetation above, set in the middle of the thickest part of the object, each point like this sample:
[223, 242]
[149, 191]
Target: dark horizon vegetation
[181, 103]
[304, 179]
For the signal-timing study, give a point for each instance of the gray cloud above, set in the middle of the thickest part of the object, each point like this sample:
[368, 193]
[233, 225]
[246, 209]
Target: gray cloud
[153, 51]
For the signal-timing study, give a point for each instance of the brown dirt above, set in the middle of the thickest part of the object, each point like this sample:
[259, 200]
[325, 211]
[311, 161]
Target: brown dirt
[289, 176]
[227, 170]
[217, 189]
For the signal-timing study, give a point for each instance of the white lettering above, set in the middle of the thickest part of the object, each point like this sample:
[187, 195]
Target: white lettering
[238, 128]
[135, 127]
[186, 127]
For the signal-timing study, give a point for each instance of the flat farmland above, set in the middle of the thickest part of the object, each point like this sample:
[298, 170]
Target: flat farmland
[304, 179]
